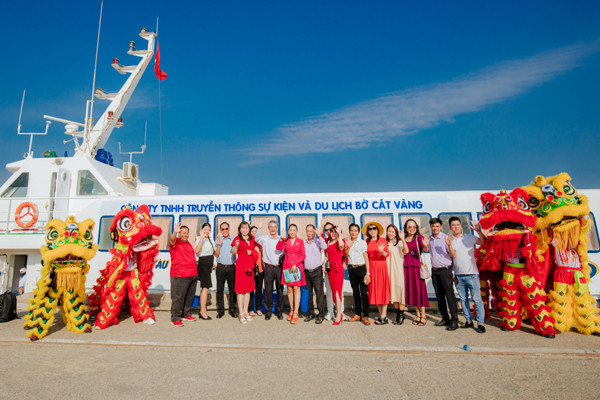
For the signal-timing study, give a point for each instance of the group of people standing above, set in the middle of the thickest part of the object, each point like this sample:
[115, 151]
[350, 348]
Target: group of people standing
[385, 268]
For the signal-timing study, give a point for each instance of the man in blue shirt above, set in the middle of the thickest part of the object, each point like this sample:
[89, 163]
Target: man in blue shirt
[225, 271]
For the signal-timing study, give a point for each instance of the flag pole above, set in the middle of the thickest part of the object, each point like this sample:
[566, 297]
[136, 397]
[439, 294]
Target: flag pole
[162, 177]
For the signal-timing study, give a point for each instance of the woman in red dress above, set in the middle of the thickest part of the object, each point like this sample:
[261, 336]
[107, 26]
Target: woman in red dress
[293, 248]
[247, 253]
[335, 253]
[379, 287]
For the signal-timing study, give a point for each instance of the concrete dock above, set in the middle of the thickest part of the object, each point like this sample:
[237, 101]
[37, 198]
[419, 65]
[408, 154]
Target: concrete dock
[274, 359]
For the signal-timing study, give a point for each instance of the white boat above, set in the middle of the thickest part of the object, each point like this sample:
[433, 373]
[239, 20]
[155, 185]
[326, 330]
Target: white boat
[48, 187]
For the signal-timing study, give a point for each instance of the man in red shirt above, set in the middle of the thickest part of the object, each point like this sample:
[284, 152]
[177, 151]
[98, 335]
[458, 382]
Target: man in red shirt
[183, 275]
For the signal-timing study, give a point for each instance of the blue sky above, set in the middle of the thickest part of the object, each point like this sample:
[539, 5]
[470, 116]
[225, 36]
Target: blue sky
[337, 96]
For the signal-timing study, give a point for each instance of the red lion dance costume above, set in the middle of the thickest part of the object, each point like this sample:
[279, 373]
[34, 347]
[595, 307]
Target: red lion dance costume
[562, 234]
[130, 270]
[510, 248]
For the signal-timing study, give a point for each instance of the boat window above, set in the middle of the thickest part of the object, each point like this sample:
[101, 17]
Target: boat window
[104, 240]
[383, 219]
[422, 220]
[465, 221]
[88, 185]
[593, 244]
[302, 221]
[341, 220]
[195, 223]
[233, 221]
[166, 224]
[262, 222]
[19, 186]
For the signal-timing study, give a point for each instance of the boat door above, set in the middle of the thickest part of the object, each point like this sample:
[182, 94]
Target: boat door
[62, 191]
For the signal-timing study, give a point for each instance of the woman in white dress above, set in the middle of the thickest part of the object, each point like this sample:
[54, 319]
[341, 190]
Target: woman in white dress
[396, 271]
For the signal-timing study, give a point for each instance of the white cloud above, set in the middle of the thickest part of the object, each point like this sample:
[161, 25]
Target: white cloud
[407, 112]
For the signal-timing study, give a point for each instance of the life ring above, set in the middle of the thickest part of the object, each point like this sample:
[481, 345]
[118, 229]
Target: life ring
[31, 211]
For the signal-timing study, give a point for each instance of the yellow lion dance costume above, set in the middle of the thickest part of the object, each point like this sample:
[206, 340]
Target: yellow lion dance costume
[561, 229]
[69, 246]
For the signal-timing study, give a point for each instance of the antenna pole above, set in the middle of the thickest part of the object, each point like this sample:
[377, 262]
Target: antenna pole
[91, 115]
[21, 113]
[162, 177]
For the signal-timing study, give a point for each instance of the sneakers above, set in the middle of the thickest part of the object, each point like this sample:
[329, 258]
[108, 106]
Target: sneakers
[177, 323]
[149, 321]
[189, 318]
[328, 317]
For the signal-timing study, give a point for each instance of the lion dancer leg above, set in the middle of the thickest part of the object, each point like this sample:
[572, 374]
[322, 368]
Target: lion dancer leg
[560, 301]
[138, 299]
[510, 302]
[111, 307]
[484, 285]
[534, 300]
[41, 313]
[74, 311]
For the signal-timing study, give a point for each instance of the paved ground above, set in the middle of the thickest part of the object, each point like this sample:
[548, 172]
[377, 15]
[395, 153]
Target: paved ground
[273, 359]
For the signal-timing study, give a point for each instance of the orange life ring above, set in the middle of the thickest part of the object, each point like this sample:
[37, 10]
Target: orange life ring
[32, 211]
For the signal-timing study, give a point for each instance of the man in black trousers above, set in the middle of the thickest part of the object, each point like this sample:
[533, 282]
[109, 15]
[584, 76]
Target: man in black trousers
[270, 256]
[441, 275]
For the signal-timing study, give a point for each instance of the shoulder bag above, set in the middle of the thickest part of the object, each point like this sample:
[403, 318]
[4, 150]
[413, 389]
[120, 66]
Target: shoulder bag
[424, 271]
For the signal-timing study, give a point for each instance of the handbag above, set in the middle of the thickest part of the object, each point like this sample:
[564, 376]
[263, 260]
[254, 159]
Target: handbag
[291, 277]
[424, 271]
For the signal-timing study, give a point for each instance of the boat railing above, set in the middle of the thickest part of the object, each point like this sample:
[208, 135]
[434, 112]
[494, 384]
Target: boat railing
[27, 215]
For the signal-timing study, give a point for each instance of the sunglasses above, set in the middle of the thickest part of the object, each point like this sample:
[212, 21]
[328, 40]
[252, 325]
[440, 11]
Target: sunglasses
[372, 228]
[224, 229]
[328, 230]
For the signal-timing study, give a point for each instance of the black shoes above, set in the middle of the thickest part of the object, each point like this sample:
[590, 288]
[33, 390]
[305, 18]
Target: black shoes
[319, 320]
[442, 322]
[309, 318]
[479, 329]
[280, 316]
[468, 325]
[381, 321]
[220, 314]
[233, 314]
[452, 327]
[267, 316]
[208, 318]
[399, 318]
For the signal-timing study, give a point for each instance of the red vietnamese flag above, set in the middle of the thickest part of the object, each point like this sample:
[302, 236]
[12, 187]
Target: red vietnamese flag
[159, 74]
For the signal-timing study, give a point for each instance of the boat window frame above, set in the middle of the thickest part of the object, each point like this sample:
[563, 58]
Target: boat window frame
[78, 188]
[361, 222]
[19, 187]
[457, 214]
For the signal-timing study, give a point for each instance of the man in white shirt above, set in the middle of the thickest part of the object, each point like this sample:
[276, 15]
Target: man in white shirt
[272, 272]
[359, 274]
[462, 250]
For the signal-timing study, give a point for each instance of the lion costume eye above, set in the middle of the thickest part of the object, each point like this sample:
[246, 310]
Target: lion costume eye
[534, 202]
[487, 207]
[568, 189]
[125, 224]
[52, 235]
[522, 204]
[88, 235]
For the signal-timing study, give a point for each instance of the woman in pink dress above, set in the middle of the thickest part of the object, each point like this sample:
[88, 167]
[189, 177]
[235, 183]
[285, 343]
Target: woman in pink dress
[335, 253]
[416, 289]
[379, 287]
[293, 249]
[247, 253]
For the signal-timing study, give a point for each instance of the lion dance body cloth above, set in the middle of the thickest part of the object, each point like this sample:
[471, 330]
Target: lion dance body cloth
[509, 248]
[562, 233]
[129, 272]
[69, 246]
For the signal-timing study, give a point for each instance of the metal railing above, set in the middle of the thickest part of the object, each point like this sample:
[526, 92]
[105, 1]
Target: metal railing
[47, 208]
